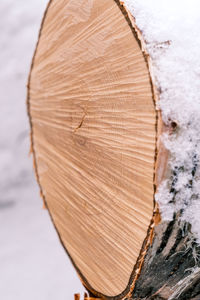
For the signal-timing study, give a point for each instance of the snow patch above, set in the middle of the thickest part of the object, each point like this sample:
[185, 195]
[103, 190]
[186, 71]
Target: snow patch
[171, 30]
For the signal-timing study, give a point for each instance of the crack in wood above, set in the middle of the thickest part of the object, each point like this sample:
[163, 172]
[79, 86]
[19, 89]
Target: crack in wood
[82, 120]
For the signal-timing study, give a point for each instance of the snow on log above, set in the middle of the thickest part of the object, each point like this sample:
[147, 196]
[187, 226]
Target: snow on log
[114, 132]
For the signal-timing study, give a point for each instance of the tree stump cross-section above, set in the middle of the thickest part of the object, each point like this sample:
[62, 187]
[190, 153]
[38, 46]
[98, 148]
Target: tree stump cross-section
[94, 132]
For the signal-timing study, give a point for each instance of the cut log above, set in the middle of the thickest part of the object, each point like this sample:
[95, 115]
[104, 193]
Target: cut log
[98, 158]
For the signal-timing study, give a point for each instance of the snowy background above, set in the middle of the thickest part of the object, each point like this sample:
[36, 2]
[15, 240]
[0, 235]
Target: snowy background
[33, 265]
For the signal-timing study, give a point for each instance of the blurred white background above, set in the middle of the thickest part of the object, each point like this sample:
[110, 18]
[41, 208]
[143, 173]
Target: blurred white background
[33, 264]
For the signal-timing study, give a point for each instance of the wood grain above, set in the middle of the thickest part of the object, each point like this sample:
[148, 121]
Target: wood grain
[94, 137]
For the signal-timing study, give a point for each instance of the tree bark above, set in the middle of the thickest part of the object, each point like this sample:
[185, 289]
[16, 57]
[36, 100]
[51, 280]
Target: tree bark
[171, 269]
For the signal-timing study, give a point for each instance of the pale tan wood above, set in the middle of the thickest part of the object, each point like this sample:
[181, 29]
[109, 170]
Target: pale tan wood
[94, 137]
[86, 297]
